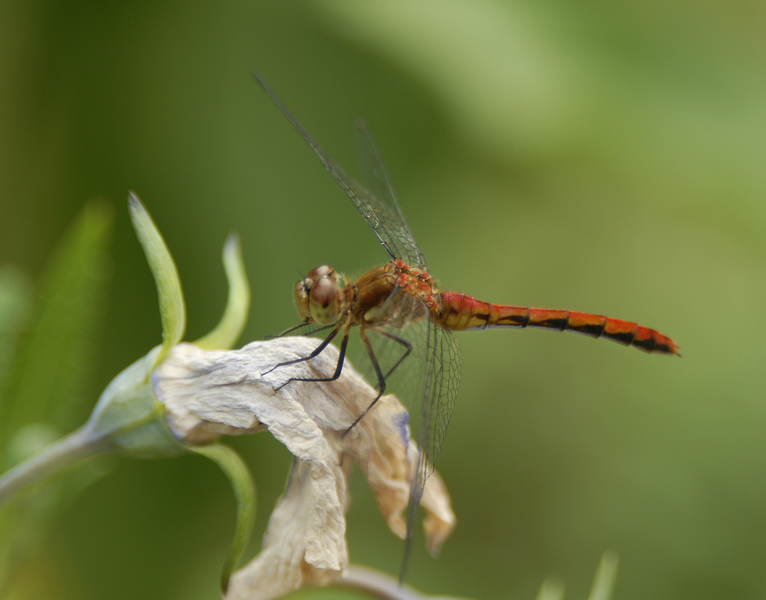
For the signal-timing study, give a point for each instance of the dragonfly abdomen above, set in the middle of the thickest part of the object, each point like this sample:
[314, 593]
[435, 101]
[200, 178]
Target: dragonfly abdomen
[460, 312]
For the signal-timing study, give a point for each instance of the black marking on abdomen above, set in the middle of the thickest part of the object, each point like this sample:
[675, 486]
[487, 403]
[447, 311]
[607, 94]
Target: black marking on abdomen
[649, 345]
[482, 316]
[560, 324]
[590, 329]
[511, 321]
[623, 337]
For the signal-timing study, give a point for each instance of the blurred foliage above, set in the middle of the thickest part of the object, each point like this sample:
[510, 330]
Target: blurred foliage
[48, 378]
[14, 305]
[598, 157]
[47, 357]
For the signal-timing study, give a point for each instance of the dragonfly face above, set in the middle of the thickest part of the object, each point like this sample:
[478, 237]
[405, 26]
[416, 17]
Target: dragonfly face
[317, 296]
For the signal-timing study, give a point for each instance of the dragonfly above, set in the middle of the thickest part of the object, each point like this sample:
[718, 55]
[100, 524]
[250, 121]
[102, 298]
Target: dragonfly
[402, 316]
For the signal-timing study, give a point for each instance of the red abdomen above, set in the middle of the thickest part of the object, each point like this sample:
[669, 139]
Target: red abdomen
[460, 312]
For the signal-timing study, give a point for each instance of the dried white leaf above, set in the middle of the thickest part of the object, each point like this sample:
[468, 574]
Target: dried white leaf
[211, 393]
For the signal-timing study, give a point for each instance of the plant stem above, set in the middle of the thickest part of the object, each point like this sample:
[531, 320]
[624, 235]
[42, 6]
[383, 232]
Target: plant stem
[381, 585]
[50, 461]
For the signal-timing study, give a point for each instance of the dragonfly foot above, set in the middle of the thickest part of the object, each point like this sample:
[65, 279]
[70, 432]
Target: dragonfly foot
[276, 389]
[270, 370]
[360, 417]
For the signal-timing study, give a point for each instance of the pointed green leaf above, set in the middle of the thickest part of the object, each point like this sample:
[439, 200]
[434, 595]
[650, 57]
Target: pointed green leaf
[171, 299]
[234, 318]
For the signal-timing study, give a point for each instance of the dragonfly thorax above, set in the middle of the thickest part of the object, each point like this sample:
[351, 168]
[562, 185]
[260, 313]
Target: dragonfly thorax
[318, 297]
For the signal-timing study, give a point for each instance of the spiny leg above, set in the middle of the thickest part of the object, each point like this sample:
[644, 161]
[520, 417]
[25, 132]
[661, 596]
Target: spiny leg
[316, 352]
[307, 326]
[338, 368]
[378, 372]
[398, 340]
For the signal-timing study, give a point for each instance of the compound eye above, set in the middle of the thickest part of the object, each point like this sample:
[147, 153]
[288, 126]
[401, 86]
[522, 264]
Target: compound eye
[323, 301]
[321, 271]
[302, 290]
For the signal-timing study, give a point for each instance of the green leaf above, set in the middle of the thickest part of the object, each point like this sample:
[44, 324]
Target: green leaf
[49, 375]
[170, 295]
[234, 318]
[244, 490]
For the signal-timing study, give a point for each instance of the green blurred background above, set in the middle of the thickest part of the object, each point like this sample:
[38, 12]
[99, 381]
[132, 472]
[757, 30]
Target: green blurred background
[604, 157]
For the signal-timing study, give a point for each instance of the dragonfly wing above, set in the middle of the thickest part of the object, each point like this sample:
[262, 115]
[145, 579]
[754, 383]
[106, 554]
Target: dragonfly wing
[374, 175]
[399, 348]
[430, 374]
[383, 217]
[441, 379]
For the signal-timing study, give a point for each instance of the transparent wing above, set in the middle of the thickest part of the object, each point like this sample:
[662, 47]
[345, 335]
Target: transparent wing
[398, 347]
[376, 178]
[382, 215]
[430, 373]
[440, 386]
[433, 365]
[441, 379]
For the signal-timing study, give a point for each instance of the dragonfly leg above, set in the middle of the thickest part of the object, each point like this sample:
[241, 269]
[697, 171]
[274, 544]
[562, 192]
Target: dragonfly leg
[378, 372]
[316, 352]
[338, 368]
[398, 340]
[307, 326]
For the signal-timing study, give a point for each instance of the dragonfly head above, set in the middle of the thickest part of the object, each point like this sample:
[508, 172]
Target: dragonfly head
[317, 296]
